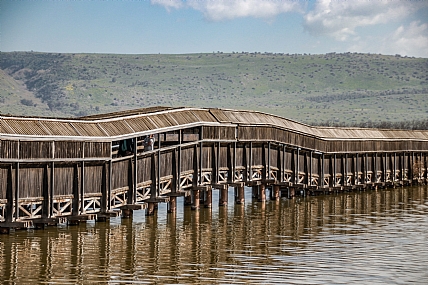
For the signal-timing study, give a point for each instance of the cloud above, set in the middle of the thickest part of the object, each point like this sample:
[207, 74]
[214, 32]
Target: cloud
[169, 4]
[406, 40]
[410, 40]
[219, 10]
[340, 19]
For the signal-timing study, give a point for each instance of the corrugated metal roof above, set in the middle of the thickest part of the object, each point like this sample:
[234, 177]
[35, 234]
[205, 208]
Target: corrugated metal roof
[220, 116]
[87, 129]
[184, 117]
[163, 121]
[125, 113]
[204, 115]
[231, 117]
[27, 127]
[141, 124]
[59, 128]
[116, 128]
[143, 120]
[4, 128]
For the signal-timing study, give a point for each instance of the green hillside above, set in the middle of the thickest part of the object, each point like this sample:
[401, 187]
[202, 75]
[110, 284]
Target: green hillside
[347, 88]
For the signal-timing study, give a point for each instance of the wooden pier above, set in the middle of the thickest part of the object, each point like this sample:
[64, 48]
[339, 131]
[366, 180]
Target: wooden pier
[72, 170]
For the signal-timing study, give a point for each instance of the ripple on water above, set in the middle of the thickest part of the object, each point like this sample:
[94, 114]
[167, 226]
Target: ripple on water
[373, 237]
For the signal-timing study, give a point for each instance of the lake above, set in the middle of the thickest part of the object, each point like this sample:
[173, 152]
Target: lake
[367, 237]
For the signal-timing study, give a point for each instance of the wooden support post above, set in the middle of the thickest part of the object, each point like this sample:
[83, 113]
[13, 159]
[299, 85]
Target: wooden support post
[255, 191]
[104, 195]
[223, 197]
[158, 169]
[196, 170]
[188, 200]
[264, 163]
[344, 160]
[214, 164]
[251, 162]
[127, 213]
[366, 169]
[420, 166]
[291, 192]
[153, 175]
[268, 174]
[130, 172]
[276, 195]
[383, 166]
[201, 146]
[262, 193]
[330, 172]
[179, 161]
[400, 167]
[82, 188]
[375, 167]
[172, 204]
[409, 168]
[52, 188]
[334, 170]
[9, 195]
[395, 168]
[282, 172]
[217, 161]
[240, 198]
[109, 189]
[229, 158]
[425, 167]
[234, 161]
[196, 199]
[46, 193]
[244, 163]
[297, 166]
[208, 198]
[321, 183]
[310, 169]
[17, 186]
[175, 174]
[135, 173]
[293, 167]
[305, 169]
[105, 211]
[76, 192]
[356, 179]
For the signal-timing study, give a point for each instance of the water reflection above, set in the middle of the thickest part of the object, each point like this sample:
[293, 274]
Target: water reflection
[376, 237]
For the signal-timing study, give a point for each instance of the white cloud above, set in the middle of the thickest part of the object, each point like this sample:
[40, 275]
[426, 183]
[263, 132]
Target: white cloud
[406, 40]
[340, 19]
[410, 40]
[356, 25]
[218, 10]
[169, 4]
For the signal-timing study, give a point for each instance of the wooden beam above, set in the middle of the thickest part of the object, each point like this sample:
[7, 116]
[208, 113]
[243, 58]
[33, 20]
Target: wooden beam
[251, 162]
[135, 171]
[82, 188]
[9, 195]
[17, 191]
[76, 192]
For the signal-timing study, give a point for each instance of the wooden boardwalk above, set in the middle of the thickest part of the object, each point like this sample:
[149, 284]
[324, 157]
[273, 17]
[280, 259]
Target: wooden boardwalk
[71, 170]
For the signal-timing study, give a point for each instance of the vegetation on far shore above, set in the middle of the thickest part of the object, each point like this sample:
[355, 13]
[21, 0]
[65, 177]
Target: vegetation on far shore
[333, 89]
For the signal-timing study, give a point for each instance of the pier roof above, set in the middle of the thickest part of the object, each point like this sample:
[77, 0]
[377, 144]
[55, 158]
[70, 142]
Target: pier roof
[157, 119]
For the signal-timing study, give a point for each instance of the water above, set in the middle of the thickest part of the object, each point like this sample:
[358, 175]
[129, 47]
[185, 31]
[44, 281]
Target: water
[373, 237]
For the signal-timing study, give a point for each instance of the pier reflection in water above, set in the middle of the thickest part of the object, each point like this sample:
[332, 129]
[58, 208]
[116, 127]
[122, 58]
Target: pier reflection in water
[373, 237]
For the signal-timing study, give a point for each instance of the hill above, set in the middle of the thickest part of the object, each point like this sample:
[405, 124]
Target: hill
[344, 88]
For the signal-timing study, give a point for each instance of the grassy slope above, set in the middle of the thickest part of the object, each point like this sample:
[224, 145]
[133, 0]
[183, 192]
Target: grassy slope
[309, 88]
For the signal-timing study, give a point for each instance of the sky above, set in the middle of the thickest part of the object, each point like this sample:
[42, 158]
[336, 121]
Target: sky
[205, 26]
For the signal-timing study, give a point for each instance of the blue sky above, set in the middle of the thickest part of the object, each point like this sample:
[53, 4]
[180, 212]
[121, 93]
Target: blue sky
[200, 26]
